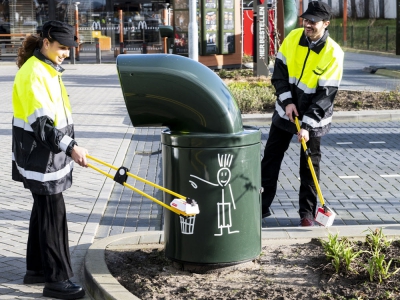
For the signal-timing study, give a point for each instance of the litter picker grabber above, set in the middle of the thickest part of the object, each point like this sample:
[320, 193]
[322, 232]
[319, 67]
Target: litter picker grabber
[324, 215]
[182, 206]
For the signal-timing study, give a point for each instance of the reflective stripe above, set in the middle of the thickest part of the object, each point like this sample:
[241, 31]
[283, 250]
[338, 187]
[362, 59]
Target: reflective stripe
[306, 89]
[22, 124]
[329, 82]
[40, 112]
[314, 123]
[293, 80]
[306, 119]
[64, 143]
[281, 57]
[64, 123]
[302, 86]
[25, 126]
[31, 175]
[281, 112]
[284, 96]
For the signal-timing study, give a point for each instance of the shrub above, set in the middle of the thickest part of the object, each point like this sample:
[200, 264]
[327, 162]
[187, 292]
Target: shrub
[253, 96]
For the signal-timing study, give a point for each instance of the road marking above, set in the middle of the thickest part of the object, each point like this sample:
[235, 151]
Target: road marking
[349, 177]
[390, 175]
[344, 143]
[378, 142]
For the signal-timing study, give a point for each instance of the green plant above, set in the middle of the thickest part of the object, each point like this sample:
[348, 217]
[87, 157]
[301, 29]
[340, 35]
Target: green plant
[223, 73]
[349, 256]
[247, 58]
[253, 96]
[377, 241]
[333, 248]
[383, 267]
[370, 267]
[332, 245]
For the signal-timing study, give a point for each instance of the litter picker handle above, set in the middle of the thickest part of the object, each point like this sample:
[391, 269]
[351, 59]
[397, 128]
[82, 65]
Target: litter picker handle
[138, 178]
[173, 209]
[310, 165]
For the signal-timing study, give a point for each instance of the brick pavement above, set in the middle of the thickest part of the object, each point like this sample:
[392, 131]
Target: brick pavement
[96, 208]
[360, 176]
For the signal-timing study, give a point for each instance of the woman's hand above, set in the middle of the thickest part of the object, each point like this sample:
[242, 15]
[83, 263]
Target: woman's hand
[78, 154]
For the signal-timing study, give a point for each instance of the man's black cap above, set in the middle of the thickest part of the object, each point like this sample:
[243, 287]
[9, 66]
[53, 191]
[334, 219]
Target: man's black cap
[317, 11]
[61, 32]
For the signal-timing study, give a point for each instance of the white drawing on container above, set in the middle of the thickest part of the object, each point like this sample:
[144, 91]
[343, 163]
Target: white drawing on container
[223, 208]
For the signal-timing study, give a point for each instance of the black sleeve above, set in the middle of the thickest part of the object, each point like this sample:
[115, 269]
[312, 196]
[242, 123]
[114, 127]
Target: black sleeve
[49, 136]
[280, 80]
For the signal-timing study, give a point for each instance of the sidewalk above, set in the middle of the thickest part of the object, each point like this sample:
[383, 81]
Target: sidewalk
[360, 179]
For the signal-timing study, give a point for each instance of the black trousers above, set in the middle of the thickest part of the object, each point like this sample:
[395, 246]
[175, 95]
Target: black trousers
[48, 246]
[277, 144]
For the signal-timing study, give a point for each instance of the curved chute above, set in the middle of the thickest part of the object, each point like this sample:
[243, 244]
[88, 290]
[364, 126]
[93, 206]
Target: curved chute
[291, 15]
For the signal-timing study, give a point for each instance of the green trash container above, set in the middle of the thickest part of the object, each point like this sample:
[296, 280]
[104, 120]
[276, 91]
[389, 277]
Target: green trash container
[207, 155]
[222, 173]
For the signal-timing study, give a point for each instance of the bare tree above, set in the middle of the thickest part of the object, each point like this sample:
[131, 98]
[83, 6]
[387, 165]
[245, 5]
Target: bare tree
[353, 7]
[366, 9]
[381, 9]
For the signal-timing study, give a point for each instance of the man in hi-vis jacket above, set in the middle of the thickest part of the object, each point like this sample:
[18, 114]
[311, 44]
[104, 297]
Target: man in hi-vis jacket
[307, 73]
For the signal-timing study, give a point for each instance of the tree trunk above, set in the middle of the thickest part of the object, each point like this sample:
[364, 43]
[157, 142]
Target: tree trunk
[353, 9]
[366, 9]
[382, 9]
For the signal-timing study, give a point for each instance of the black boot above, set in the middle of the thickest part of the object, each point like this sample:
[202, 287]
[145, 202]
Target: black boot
[33, 277]
[63, 290]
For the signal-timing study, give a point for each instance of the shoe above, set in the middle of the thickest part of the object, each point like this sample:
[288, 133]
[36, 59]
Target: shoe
[266, 213]
[63, 290]
[34, 277]
[305, 222]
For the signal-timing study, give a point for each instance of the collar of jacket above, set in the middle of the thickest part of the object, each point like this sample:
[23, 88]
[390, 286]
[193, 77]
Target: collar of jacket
[39, 55]
[318, 46]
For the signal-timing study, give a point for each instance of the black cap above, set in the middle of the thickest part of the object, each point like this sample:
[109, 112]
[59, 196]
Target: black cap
[61, 32]
[317, 11]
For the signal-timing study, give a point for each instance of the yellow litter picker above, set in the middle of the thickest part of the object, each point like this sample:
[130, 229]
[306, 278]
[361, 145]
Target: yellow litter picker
[182, 205]
[324, 215]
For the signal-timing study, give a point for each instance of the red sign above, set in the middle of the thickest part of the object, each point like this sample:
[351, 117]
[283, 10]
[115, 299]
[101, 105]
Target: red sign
[248, 32]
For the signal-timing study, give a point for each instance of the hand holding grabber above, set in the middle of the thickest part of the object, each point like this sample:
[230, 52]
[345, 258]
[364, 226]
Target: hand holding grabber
[182, 206]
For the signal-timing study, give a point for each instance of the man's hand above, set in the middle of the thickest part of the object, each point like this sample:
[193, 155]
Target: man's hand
[290, 109]
[78, 154]
[303, 134]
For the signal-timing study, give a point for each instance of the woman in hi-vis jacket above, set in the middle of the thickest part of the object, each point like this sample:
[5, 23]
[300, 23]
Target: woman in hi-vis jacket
[44, 152]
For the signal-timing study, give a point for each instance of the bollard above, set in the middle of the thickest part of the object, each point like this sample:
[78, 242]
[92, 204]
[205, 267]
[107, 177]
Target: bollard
[72, 55]
[98, 51]
[121, 48]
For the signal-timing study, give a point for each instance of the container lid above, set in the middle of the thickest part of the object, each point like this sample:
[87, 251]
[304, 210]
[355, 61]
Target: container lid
[249, 136]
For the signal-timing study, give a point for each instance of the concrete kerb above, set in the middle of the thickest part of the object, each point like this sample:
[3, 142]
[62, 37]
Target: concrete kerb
[102, 285]
[338, 117]
[98, 281]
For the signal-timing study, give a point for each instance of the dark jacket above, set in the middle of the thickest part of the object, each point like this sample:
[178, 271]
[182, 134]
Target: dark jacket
[43, 130]
[308, 77]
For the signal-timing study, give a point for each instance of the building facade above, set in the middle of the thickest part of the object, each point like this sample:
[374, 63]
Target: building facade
[133, 25]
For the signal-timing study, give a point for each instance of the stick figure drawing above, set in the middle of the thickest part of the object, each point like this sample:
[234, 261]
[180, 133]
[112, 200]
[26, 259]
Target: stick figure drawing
[223, 179]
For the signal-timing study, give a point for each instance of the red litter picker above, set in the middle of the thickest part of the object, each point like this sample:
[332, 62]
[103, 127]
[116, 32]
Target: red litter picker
[183, 206]
[324, 215]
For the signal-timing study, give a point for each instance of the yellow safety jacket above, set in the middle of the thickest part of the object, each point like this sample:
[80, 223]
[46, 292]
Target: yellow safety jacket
[307, 75]
[43, 130]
